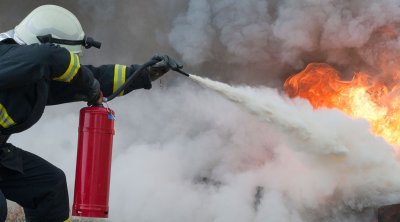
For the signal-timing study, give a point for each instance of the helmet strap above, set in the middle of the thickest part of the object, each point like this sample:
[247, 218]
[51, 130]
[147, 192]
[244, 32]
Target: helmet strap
[87, 42]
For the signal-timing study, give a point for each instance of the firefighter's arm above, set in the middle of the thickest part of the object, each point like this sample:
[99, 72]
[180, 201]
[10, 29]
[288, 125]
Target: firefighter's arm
[84, 87]
[111, 77]
[66, 68]
[24, 65]
[70, 81]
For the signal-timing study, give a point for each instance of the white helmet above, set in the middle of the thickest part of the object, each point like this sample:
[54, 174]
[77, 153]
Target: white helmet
[54, 24]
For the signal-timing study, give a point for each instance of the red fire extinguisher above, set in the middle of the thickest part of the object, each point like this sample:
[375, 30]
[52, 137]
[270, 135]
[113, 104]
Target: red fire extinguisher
[93, 165]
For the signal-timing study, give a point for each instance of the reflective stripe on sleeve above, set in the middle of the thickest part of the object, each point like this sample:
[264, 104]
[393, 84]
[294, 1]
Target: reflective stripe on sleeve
[5, 119]
[119, 77]
[73, 68]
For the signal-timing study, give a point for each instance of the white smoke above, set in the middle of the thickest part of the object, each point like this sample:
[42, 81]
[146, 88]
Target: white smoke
[187, 154]
[291, 32]
[195, 31]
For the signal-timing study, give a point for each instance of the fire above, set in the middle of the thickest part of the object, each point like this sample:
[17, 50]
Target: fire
[362, 97]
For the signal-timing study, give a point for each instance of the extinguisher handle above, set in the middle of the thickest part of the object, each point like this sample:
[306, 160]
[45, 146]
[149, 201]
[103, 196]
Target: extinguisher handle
[131, 79]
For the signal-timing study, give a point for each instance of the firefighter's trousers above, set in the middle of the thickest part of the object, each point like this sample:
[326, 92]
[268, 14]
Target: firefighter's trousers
[35, 184]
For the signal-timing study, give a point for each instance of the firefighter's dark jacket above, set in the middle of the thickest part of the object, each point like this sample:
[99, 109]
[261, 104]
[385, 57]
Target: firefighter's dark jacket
[33, 76]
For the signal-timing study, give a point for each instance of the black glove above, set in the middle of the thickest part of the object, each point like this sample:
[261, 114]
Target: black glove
[164, 64]
[94, 94]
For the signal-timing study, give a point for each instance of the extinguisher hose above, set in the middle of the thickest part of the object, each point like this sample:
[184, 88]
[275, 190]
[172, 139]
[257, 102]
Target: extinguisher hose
[129, 81]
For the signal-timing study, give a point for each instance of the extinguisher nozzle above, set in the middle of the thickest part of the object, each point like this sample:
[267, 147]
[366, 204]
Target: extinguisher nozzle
[181, 72]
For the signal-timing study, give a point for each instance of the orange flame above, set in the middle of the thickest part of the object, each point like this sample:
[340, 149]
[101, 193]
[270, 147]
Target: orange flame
[362, 97]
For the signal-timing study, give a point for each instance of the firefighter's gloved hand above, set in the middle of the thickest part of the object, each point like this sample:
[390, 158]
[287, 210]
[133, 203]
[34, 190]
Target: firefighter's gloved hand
[94, 95]
[164, 64]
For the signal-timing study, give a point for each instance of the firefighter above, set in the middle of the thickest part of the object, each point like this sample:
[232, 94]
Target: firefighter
[39, 66]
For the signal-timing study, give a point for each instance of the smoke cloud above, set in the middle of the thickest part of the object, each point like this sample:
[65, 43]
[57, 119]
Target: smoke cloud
[185, 153]
[292, 33]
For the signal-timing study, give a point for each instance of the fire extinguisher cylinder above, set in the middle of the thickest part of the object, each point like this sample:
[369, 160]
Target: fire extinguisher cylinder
[93, 165]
